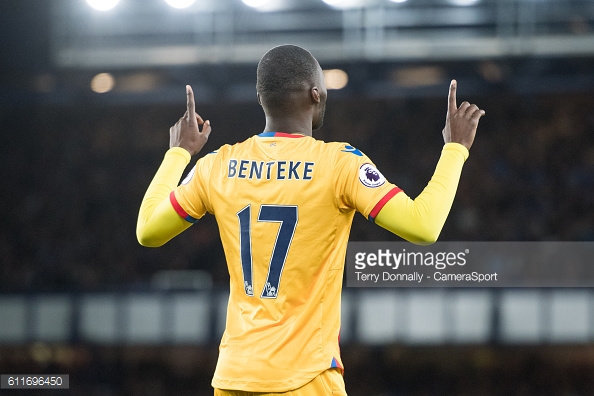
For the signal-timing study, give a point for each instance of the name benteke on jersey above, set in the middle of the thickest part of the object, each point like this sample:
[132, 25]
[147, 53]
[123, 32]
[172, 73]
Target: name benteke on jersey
[270, 170]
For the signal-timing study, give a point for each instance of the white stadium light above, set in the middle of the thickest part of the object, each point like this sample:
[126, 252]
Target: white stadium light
[398, 1]
[344, 3]
[464, 2]
[180, 4]
[103, 5]
[256, 3]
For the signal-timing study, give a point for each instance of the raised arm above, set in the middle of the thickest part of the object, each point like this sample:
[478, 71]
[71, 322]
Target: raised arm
[158, 222]
[420, 220]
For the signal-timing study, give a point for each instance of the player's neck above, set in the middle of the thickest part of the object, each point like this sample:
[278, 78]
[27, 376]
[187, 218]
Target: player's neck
[289, 125]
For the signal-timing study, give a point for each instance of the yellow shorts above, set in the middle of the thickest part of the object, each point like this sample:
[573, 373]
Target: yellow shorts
[330, 382]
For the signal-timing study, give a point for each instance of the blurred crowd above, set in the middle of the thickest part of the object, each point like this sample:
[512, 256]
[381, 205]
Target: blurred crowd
[388, 370]
[74, 178]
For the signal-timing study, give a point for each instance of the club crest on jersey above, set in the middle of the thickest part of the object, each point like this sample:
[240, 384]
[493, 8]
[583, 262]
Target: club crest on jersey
[369, 176]
[189, 176]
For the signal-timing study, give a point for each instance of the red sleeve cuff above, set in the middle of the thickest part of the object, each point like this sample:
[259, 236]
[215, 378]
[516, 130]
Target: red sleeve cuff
[179, 210]
[378, 207]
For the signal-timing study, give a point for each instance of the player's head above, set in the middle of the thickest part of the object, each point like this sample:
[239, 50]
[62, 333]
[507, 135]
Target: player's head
[290, 80]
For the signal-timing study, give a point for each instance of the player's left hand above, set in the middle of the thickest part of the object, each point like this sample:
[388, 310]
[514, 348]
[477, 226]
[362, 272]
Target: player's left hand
[186, 131]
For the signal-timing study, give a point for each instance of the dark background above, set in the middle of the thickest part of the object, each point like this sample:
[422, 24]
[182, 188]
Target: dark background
[75, 166]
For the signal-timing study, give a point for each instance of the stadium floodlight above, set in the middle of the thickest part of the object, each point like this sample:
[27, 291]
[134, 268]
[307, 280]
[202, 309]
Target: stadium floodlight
[464, 2]
[102, 5]
[335, 78]
[343, 3]
[256, 3]
[102, 83]
[398, 1]
[180, 4]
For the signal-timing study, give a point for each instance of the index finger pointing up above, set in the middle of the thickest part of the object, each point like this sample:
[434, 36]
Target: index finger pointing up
[191, 105]
[452, 97]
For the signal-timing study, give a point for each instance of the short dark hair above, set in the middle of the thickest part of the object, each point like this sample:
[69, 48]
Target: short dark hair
[282, 70]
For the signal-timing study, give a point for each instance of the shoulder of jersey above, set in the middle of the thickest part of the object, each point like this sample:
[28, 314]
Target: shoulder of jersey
[347, 149]
[338, 147]
[223, 149]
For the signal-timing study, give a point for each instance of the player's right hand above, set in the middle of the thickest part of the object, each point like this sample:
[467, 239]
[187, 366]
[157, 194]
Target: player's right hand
[186, 131]
[461, 122]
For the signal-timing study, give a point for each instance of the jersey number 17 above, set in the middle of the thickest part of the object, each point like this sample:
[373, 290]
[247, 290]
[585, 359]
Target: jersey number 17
[286, 215]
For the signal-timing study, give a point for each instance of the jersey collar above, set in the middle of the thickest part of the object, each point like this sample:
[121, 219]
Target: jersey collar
[280, 134]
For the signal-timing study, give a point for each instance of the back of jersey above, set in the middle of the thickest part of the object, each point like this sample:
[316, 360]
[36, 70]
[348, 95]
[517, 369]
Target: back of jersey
[284, 205]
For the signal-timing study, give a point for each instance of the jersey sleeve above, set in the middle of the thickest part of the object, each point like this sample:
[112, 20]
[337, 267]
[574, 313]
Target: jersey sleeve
[420, 220]
[191, 198]
[157, 221]
[359, 184]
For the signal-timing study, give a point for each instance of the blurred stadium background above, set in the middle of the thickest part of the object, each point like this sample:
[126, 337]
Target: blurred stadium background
[86, 100]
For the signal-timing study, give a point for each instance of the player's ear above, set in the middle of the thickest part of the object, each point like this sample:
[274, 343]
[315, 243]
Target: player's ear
[314, 93]
[259, 100]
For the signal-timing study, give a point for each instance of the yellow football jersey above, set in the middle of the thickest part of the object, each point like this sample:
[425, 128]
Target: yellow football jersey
[284, 205]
